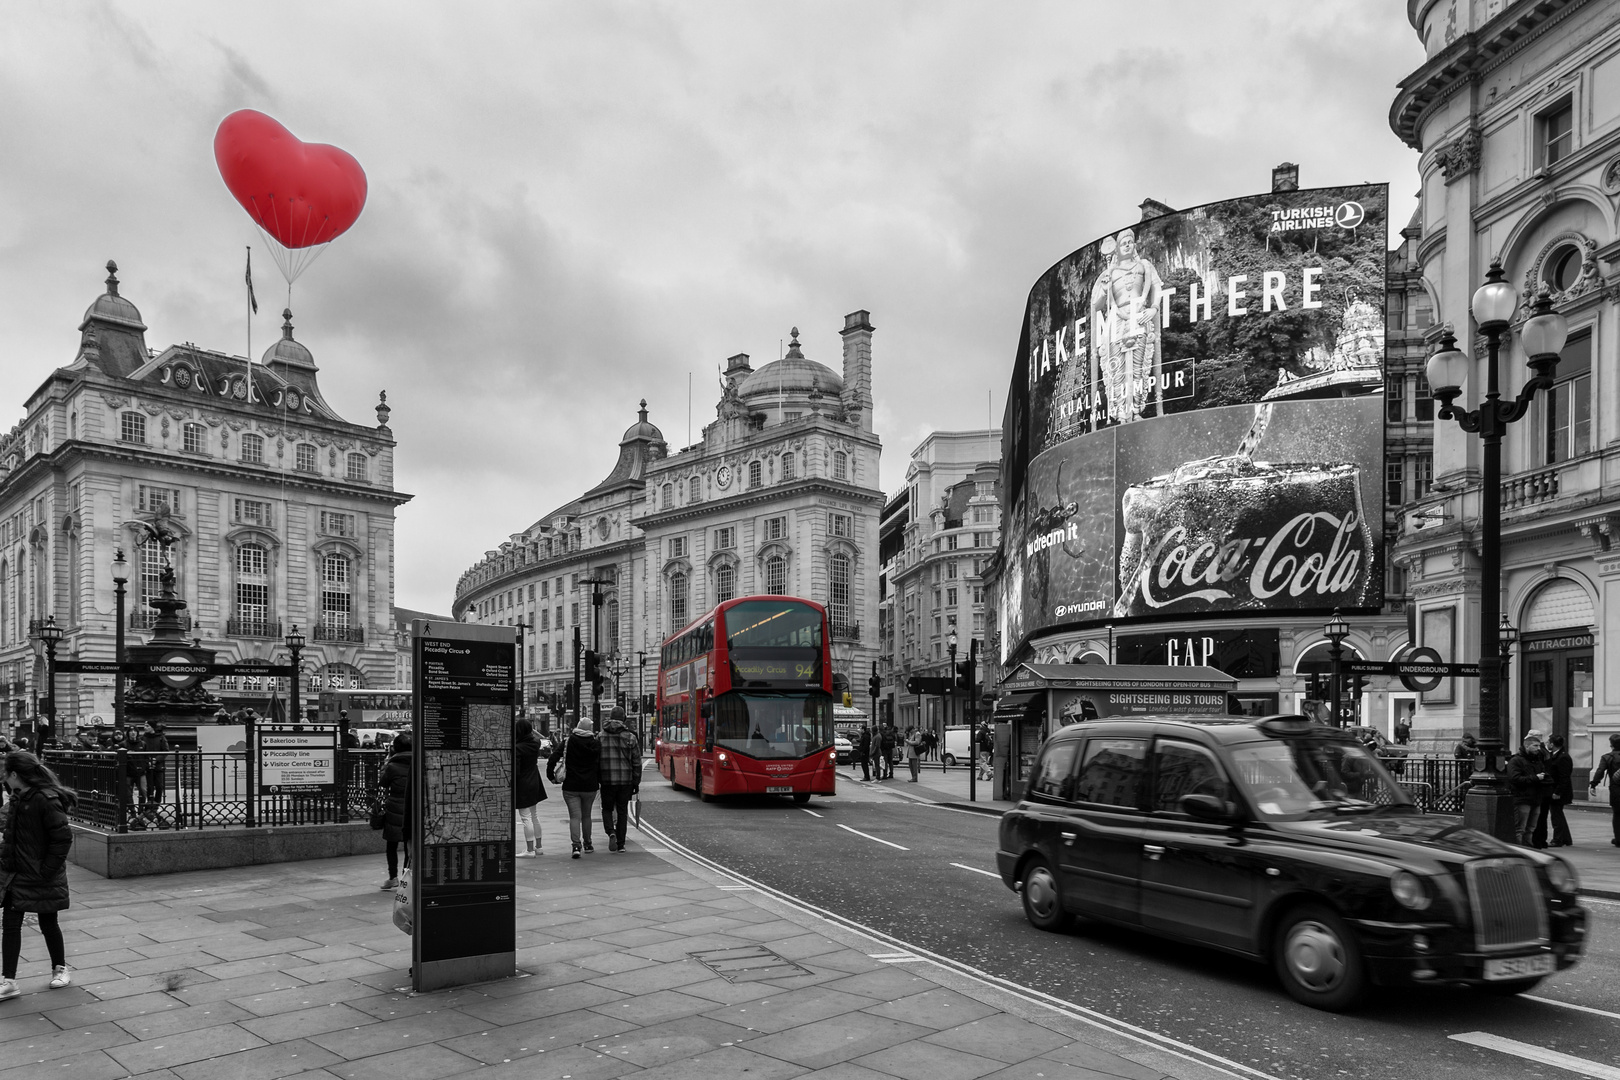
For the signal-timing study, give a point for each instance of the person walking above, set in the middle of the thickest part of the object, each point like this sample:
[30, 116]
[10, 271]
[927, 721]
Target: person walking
[1560, 769]
[914, 750]
[581, 756]
[1607, 769]
[620, 774]
[1526, 773]
[529, 791]
[394, 787]
[155, 745]
[863, 752]
[887, 746]
[33, 865]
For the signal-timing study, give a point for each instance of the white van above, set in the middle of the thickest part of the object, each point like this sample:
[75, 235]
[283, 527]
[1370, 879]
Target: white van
[958, 744]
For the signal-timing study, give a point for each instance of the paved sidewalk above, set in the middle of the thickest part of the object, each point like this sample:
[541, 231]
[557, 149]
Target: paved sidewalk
[1594, 858]
[295, 969]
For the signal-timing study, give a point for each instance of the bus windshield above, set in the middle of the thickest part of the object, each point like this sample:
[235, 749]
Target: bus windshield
[774, 725]
[774, 643]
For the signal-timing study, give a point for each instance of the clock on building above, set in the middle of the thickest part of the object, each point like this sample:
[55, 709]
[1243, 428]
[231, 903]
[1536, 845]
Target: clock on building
[722, 476]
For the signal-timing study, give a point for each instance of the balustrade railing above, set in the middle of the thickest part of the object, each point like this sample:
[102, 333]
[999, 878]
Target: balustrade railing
[326, 632]
[1528, 489]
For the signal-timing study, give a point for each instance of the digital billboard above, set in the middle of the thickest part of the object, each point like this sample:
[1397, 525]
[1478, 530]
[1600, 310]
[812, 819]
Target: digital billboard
[1195, 422]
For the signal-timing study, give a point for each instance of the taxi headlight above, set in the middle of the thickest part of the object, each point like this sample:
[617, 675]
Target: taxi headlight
[1561, 876]
[1408, 890]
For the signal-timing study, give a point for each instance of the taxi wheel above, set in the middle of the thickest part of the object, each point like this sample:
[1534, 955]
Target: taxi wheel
[1509, 988]
[801, 797]
[1043, 901]
[1318, 960]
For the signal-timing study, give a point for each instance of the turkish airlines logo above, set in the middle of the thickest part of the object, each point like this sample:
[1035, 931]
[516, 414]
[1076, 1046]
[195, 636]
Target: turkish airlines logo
[1349, 215]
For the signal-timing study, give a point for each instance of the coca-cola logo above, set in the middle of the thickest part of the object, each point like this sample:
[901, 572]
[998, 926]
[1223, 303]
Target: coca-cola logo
[1314, 556]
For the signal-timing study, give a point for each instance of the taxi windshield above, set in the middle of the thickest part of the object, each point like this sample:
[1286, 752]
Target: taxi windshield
[774, 725]
[1289, 779]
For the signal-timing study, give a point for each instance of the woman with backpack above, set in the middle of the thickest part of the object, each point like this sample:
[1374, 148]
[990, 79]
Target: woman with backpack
[530, 792]
[394, 790]
[581, 759]
[33, 865]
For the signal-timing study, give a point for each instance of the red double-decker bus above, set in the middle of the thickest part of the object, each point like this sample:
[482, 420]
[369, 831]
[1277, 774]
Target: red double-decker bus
[745, 701]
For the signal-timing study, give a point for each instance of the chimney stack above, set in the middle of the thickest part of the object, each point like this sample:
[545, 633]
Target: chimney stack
[857, 334]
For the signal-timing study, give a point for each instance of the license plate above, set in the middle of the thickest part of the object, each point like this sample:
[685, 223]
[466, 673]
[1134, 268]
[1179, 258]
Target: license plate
[1519, 967]
[779, 789]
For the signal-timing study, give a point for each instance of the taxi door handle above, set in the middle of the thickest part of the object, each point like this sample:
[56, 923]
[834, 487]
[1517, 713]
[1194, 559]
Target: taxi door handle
[1069, 838]
[1153, 851]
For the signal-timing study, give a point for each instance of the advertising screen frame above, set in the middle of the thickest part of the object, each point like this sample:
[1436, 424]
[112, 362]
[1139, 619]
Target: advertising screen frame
[1184, 389]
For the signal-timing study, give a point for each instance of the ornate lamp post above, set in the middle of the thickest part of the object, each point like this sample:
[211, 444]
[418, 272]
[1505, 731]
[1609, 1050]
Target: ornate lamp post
[1448, 368]
[1508, 635]
[950, 647]
[120, 577]
[1336, 631]
[295, 646]
[50, 635]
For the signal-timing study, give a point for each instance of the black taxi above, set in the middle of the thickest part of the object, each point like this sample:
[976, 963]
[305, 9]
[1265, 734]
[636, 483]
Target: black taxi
[1284, 841]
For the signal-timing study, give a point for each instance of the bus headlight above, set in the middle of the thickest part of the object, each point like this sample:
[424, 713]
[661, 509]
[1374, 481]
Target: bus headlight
[832, 758]
[1408, 890]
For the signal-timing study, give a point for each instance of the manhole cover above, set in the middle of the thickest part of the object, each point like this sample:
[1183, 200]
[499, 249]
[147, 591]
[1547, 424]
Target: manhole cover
[751, 964]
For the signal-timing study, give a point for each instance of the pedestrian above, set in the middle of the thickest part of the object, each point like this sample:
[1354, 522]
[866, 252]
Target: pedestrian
[914, 749]
[1467, 748]
[987, 745]
[135, 771]
[351, 741]
[887, 746]
[394, 789]
[33, 865]
[863, 752]
[1608, 768]
[529, 791]
[1403, 727]
[156, 748]
[1526, 774]
[620, 774]
[581, 756]
[1560, 768]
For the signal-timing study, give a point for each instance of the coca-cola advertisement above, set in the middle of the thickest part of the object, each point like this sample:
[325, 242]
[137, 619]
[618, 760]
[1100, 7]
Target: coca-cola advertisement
[1195, 424]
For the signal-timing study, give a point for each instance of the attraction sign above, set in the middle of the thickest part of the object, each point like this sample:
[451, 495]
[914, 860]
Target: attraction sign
[463, 871]
[1195, 422]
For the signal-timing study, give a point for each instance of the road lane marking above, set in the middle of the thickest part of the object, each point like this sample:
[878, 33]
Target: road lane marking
[1079, 1013]
[809, 811]
[1571, 1005]
[869, 836]
[976, 870]
[1538, 1054]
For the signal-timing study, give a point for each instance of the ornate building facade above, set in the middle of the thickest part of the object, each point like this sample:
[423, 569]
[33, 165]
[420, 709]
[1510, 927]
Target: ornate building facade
[281, 513]
[779, 496]
[1516, 111]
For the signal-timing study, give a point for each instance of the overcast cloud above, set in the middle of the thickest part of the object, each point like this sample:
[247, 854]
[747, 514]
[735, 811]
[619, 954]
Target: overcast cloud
[573, 206]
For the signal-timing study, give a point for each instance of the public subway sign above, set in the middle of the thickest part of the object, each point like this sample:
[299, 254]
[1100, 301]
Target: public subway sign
[1195, 422]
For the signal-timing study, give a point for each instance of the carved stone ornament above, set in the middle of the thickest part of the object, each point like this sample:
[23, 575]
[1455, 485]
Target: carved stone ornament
[1600, 530]
[1611, 178]
[1461, 156]
[1589, 279]
[114, 402]
[164, 427]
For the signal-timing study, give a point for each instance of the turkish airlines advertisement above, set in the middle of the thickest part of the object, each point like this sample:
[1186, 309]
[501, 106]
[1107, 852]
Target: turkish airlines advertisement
[1195, 423]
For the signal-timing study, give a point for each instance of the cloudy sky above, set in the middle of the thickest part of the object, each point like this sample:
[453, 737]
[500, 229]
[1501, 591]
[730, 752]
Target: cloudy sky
[575, 205]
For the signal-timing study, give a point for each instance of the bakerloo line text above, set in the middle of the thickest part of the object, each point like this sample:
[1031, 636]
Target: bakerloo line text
[1061, 347]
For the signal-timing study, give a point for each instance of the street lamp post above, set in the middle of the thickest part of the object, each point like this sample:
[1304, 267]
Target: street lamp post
[1508, 636]
[50, 635]
[1336, 630]
[1494, 303]
[641, 696]
[295, 646]
[120, 577]
[522, 691]
[950, 647]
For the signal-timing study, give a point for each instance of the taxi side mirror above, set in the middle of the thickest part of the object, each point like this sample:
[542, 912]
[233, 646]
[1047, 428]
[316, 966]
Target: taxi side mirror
[1207, 808]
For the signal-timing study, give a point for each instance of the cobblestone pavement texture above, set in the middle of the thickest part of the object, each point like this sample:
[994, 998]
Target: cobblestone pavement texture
[292, 969]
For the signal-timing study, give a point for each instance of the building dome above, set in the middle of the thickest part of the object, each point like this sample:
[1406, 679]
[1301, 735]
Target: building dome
[286, 350]
[642, 429]
[110, 307]
[794, 374]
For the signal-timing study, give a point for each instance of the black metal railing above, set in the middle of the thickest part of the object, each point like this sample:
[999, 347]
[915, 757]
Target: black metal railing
[250, 627]
[325, 632]
[844, 631]
[186, 789]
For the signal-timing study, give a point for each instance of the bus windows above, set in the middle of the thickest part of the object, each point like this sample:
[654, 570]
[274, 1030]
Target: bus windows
[773, 725]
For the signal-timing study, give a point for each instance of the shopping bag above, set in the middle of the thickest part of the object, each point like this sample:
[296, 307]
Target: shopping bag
[402, 901]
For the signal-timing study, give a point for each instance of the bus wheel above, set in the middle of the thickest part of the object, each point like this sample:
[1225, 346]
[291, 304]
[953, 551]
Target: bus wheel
[703, 795]
[801, 797]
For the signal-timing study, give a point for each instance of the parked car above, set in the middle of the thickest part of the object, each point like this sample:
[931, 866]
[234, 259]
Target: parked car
[1286, 842]
[845, 748]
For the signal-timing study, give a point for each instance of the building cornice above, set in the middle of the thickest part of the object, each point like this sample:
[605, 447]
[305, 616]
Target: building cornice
[545, 568]
[774, 493]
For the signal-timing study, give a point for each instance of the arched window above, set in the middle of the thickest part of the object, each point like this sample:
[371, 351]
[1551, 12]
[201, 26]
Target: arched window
[677, 600]
[359, 470]
[753, 474]
[5, 604]
[725, 582]
[336, 602]
[252, 591]
[838, 606]
[612, 606]
[776, 575]
[252, 449]
[840, 465]
[669, 496]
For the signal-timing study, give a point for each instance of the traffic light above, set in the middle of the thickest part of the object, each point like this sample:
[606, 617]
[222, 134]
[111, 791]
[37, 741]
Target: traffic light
[874, 685]
[964, 674]
[593, 671]
[849, 700]
[568, 698]
[1357, 686]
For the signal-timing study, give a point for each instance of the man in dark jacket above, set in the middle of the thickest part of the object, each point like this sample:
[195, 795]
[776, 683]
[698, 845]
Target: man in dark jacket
[1560, 769]
[394, 785]
[1529, 783]
[156, 748]
[1608, 768]
[890, 739]
[620, 773]
[863, 751]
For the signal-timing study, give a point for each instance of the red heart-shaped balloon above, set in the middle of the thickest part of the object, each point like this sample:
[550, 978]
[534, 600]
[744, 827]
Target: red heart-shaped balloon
[300, 193]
